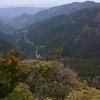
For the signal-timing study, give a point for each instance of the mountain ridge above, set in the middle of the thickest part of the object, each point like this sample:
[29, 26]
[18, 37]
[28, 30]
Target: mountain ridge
[12, 12]
[54, 11]
[74, 32]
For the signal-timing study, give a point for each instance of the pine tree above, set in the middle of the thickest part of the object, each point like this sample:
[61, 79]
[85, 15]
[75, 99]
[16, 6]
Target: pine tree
[58, 53]
[10, 71]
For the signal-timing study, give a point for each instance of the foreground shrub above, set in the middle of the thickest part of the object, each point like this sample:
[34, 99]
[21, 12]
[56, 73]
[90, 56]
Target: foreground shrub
[50, 79]
[20, 92]
[10, 72]
[83, 92]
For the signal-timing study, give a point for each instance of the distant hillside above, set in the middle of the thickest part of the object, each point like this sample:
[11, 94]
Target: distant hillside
[78, 33]
[21, 20]
[5, 19]
[16, 11]
[45, 14]
[6, 42]
[7, 28]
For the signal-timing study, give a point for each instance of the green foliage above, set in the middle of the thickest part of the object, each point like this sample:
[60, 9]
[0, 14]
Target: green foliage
[6, 42]
[88, 69]
[58, 53]
[10, 72]
[20, 92]
[50, 79]
[29, 51]
[79, 95]
[7, 28]
[82, 92]
[84, 67]
[25, 70]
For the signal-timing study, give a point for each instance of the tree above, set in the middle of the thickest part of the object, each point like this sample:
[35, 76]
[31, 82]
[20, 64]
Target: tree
[50, 79]
[20, 92]
[10, 71]
[83, 92]
[58, 53]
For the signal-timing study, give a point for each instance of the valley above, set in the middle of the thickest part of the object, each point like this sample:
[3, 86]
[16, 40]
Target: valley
[27, 41]
[50, 53]
[73, 31]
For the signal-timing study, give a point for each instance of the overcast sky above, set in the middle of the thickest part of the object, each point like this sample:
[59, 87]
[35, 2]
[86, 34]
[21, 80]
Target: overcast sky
[40, 2]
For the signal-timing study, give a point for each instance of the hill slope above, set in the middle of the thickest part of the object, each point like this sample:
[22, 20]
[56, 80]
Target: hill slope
[74, 32]
[45, 14]
[6, 42]
[5, 27]
[21, 21]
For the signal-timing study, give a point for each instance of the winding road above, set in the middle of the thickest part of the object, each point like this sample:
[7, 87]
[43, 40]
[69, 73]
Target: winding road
[27, 41]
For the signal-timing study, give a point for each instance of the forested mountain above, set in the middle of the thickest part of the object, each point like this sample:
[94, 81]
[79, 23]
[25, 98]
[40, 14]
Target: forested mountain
[6, 42]
[45, 14]
[16, 11]
[74, 32]
[21, 21]
[5, 27]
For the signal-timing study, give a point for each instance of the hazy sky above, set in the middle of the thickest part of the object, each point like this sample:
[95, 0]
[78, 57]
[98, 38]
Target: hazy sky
[40, 2]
